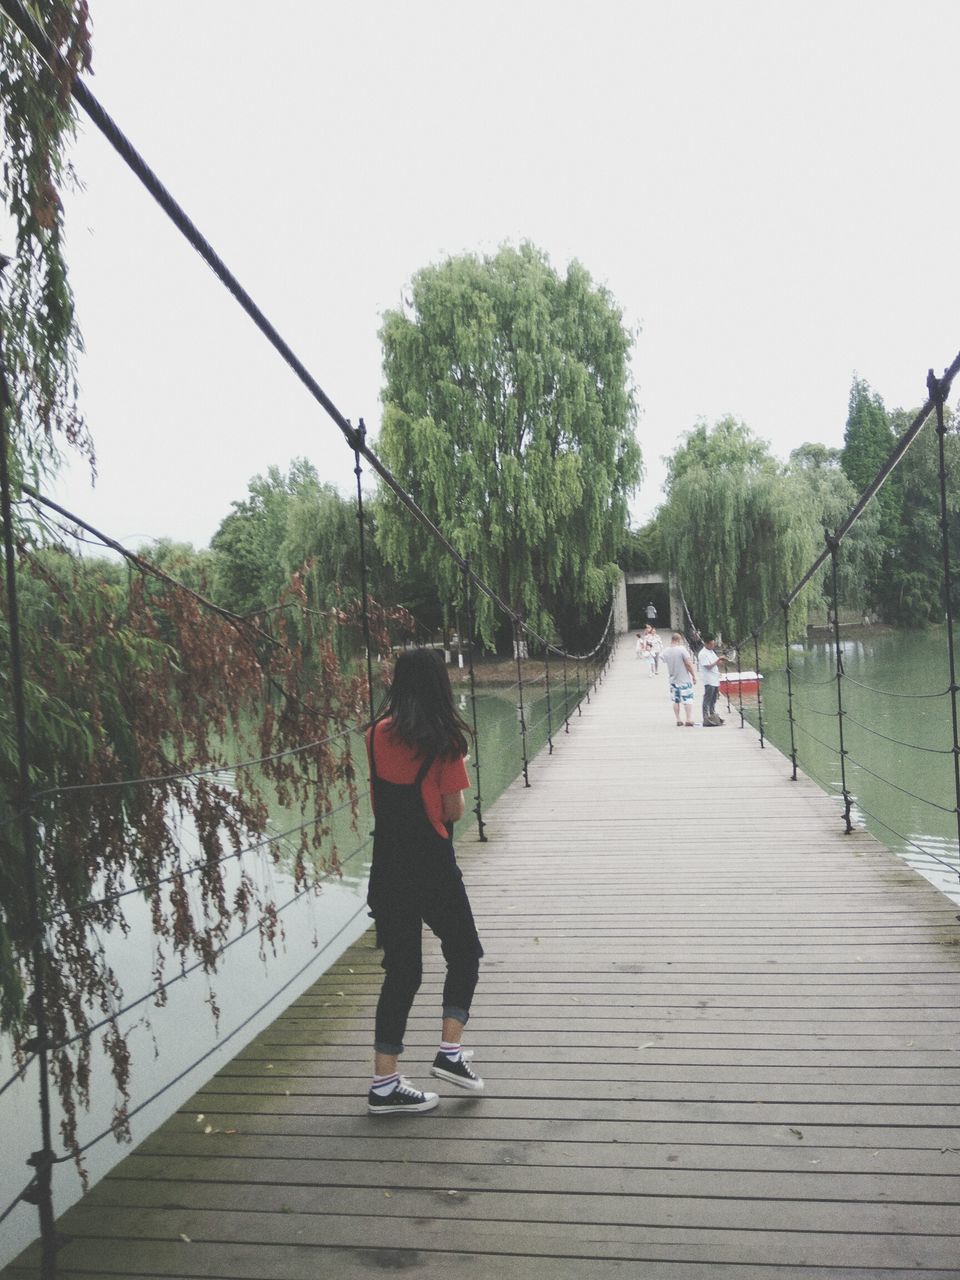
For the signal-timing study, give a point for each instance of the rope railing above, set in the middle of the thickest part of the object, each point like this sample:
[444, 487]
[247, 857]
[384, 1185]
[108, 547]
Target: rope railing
[888, 782]
[139, 888]
[222, 1040]
[207, 864]
[899, 742]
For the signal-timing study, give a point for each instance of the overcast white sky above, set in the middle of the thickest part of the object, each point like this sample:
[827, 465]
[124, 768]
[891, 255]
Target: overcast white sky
[767, 188]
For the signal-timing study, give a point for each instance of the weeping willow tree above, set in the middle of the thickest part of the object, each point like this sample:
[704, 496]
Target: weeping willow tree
[42, 339]
[833, 496]
[739, 531]
[509, 415]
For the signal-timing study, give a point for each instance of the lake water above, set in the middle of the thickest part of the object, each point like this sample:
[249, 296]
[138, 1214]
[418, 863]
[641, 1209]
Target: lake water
[898, 737]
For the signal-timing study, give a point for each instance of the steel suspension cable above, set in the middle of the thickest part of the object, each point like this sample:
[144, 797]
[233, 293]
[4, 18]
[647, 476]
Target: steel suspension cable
[355, 438]
[18, 13]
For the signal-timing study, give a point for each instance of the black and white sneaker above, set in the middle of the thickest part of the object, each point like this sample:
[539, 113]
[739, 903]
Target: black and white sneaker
[458, 1071]
[404, 1097]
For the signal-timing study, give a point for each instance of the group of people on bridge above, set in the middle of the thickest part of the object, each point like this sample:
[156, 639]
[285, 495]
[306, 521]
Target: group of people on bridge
[682, 669]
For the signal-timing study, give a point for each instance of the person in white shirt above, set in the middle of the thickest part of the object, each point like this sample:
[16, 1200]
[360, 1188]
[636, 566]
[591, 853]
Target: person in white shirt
[654, 650]
[709, 661]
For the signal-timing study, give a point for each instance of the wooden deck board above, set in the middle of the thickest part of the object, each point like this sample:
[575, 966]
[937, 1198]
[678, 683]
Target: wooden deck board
[721, 1040]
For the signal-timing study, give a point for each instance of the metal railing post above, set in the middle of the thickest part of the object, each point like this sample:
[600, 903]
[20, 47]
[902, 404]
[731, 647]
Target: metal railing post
[546, 676]
[468, 605]
[756, 667]
[786, 650]
[566, 696]
[834, 545]
[938, 390]
[743, 718]
[520, 710]
[359, 435]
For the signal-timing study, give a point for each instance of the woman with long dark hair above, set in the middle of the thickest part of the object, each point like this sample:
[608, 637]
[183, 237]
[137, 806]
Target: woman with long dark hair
[417, 746]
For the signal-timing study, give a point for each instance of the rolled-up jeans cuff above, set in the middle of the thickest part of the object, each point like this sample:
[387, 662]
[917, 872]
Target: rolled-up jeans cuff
[381, 1046]
[452, 1011]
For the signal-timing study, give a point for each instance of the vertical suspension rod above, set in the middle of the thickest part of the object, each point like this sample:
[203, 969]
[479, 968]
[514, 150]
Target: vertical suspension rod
[938, 390]
[834, 544]
[566, 696]
[786, 650]
[468, 607]
[546, 677]
[756, 667]
[523, 722]
[359, 436]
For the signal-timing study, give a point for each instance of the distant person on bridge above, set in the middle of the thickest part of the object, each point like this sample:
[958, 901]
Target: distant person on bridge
[683, 676]
[649, 646]
[709, 661]
[654, 649]
[417, 748]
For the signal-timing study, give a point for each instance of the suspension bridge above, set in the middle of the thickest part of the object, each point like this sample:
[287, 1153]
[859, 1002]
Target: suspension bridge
[717, 1019]
[719, 1035]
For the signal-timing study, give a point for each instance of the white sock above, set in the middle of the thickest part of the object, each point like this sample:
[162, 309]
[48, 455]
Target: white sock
[450, 1050]
[383, 1085]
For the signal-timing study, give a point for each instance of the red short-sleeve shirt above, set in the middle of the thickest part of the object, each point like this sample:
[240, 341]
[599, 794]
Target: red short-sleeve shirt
[397, 762]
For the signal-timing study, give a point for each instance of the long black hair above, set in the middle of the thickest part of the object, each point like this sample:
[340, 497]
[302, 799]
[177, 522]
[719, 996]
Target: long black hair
[420, 705]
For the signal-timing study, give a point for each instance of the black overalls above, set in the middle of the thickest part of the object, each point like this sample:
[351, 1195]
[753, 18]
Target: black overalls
[414, 879]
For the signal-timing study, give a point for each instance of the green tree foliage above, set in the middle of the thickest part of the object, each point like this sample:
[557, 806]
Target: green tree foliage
[290, 524]
[248, 569]
[509, 416]
[833, 497]
[181, 561]
[867, 442]
[42, 339]
[642, 549]
[738, 529]
[910, 590]
[906, 586]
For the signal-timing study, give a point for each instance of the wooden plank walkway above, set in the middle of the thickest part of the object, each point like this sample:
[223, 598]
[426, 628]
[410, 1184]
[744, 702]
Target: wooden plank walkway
[720, 1039]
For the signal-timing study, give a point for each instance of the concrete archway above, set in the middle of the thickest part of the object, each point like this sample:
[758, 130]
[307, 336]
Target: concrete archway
[661, 591]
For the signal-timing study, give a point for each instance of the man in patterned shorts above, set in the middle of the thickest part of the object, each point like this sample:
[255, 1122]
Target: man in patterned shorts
[683, 676]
